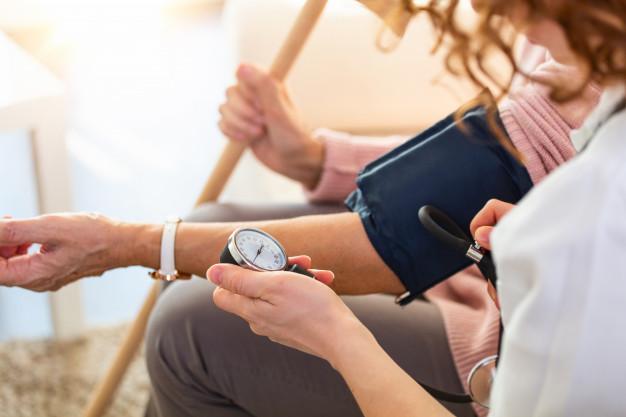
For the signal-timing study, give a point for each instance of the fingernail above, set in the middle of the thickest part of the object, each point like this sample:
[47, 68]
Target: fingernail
[215, 274]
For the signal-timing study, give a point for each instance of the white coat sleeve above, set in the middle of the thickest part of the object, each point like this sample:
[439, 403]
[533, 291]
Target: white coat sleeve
[561, 258]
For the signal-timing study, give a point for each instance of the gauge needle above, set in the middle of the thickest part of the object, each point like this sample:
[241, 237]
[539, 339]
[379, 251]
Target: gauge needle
[258, 252]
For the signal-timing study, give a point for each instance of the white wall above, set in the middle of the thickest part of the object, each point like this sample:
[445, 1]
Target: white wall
[143, 134]
[16, 14]
[142, 138]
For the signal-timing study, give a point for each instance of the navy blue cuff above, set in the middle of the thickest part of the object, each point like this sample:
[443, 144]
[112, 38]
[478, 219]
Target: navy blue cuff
[454, 169]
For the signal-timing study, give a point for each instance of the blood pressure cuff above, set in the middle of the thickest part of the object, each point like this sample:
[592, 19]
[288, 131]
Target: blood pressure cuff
[452, 167]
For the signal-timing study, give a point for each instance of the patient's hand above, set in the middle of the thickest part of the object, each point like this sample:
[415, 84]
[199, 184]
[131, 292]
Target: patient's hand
[7, 252]
[259, 112]
[72, 246]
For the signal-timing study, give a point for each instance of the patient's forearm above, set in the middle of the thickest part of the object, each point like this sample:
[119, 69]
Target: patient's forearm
[337, 242]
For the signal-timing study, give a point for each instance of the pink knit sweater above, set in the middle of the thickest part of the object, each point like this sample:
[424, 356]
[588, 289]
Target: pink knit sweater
[538, 127]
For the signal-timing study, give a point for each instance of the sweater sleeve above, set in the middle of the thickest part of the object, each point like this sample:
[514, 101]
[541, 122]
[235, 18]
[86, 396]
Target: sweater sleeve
[345, 156]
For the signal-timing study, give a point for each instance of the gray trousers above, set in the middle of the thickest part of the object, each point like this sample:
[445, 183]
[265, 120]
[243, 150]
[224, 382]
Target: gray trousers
[205, 362]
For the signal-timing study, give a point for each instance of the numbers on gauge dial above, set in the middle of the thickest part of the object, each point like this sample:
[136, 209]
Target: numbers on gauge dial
[260, 250]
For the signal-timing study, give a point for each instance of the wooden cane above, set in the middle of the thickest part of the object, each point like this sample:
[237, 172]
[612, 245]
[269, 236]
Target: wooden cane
[280, 68]
[102, 395]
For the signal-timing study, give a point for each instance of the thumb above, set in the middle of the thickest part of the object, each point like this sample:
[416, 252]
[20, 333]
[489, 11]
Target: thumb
[238, 280]
[19, 232]
[483, 236]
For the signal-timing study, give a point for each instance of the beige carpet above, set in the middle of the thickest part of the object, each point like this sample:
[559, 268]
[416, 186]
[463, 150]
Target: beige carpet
[54, 379]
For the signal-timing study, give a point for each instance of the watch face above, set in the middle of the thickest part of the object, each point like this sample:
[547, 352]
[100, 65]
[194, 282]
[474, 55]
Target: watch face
[260, 250]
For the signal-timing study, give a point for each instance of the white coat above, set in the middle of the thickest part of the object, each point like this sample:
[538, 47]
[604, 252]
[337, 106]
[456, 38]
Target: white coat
[561, 260]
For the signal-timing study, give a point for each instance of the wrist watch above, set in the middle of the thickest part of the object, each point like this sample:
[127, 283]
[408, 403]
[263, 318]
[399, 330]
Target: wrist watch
[167, 271]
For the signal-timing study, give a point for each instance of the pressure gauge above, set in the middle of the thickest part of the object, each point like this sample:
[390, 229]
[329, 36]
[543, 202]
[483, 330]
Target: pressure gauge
[257, 250]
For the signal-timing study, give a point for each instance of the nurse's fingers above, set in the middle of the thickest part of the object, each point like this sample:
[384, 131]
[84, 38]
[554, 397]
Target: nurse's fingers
[323, 276]
[302, 261]
[230, 302]
[482, 235]
[237, 280]
[490, 215]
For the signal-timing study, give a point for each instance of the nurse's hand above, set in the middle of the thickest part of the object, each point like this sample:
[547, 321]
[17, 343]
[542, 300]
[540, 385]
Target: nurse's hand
[288, 308]
[259, 113]
[483, 223]
[482, 226]
[72, 246]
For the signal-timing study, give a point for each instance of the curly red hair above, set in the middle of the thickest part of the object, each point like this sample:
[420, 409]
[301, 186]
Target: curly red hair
[594, 29]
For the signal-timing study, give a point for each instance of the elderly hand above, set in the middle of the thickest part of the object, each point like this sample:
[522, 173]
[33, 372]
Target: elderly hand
[288, 308]
[72, 246]
[481, 227]
[259, 113]
[7, 252]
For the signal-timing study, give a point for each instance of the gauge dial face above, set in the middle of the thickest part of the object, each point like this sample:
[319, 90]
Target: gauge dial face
[261, 250]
